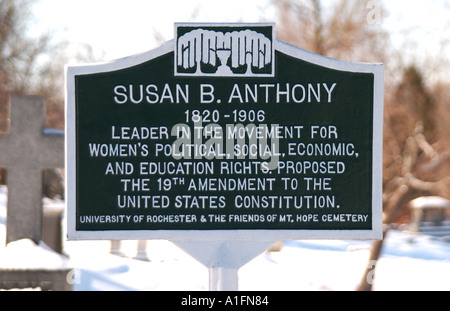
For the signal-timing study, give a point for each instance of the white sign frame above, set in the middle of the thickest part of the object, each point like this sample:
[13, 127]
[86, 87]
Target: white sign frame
[212, 235]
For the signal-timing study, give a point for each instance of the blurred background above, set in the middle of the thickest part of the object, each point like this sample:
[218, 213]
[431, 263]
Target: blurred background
[411, 38]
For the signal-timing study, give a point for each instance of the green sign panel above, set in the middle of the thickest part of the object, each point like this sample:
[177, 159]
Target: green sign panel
[224, 132]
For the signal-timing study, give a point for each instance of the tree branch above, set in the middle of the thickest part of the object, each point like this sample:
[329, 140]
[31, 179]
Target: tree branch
[423, 143]
[419, 184]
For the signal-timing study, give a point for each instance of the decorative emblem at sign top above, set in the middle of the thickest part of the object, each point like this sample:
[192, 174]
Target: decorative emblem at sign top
[224, 51]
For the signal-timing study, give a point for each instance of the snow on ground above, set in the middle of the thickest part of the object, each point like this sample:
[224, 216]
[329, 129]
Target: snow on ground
[407, 262]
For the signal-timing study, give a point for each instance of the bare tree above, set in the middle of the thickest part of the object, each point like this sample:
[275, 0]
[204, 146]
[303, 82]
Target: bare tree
[32, 65]
[339, 30]
[415, 146]
[410, 158]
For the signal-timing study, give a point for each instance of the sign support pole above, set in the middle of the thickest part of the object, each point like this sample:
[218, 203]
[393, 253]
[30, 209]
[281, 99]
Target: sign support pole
[224, 258]
[223, 279]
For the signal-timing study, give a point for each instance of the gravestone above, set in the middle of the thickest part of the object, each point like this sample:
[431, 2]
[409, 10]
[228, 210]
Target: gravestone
[25, 152]
[25, 264]
[429, 215]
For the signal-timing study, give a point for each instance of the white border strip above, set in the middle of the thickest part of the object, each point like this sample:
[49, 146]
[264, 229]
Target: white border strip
[70, 146]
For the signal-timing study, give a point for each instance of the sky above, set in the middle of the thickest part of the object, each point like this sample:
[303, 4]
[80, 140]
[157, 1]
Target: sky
[118, 28]
[121, 28]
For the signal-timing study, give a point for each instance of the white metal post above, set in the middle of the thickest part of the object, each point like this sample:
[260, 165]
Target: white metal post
[224, 258]
[223, 279]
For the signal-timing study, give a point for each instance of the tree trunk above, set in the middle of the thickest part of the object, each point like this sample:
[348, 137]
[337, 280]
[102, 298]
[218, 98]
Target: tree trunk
[369, 274]
[400, 197]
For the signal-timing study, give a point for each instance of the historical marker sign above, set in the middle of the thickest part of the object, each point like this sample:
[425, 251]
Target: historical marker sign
[224, 133]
